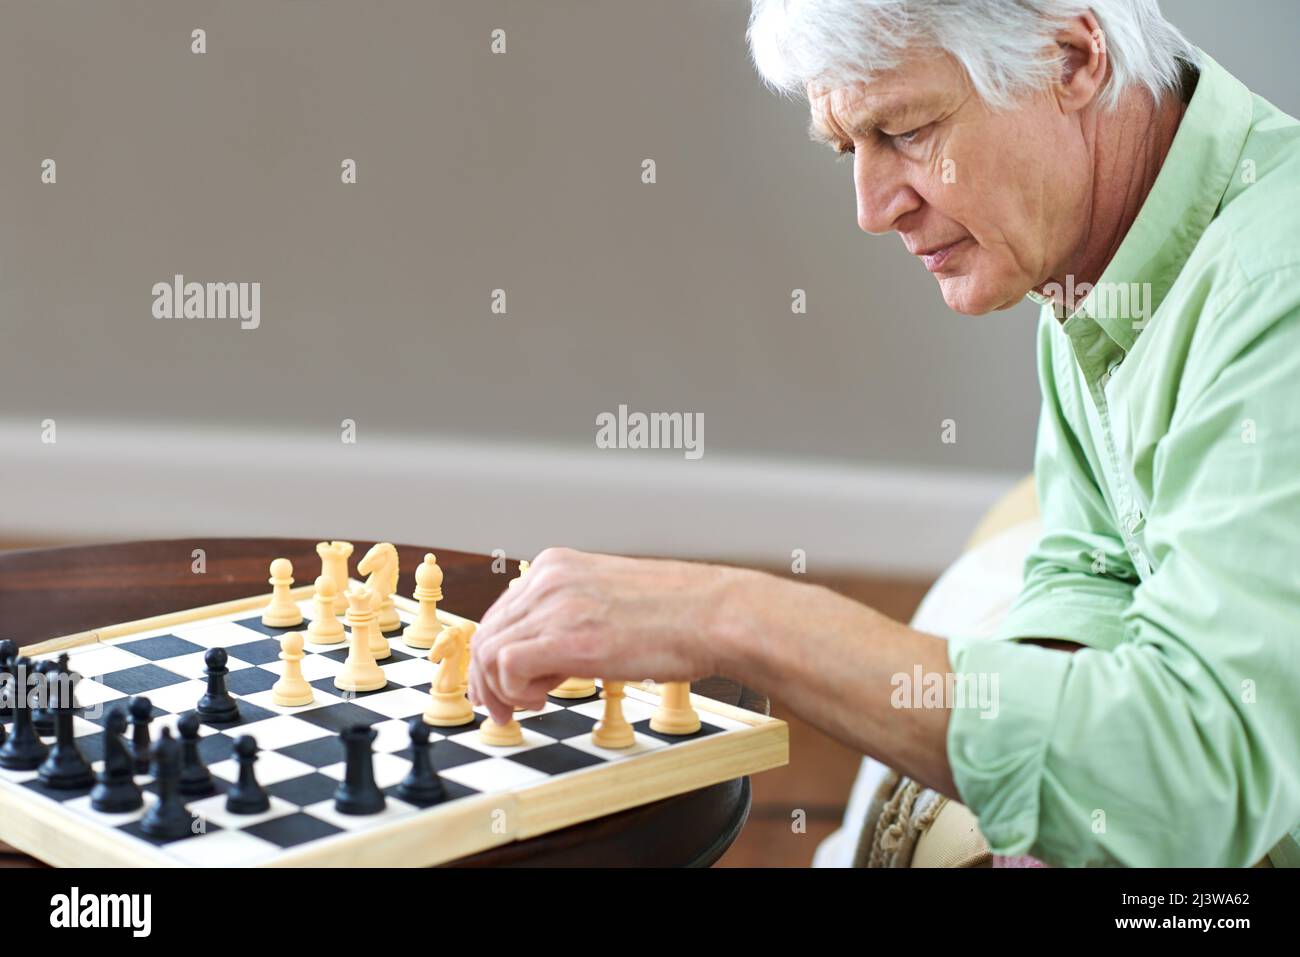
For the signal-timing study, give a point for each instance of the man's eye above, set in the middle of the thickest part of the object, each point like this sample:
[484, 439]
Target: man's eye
[904, 139]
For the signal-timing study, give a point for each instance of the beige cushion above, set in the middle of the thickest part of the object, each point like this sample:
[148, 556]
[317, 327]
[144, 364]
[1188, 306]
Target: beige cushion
[953, 840]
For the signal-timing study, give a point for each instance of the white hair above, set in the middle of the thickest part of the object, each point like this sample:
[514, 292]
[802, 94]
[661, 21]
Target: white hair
[1000, 43]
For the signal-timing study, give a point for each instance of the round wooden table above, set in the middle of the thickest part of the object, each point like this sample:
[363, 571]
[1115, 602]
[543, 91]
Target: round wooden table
[45, 593]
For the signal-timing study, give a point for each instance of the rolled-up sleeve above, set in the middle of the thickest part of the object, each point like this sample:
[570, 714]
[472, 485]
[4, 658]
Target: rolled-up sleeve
[1180, 742]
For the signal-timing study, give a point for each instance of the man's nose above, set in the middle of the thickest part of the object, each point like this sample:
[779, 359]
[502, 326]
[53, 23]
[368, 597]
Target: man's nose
[883, 195]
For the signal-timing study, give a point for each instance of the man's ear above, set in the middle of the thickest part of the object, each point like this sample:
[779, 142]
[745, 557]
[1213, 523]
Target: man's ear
[1084, 62]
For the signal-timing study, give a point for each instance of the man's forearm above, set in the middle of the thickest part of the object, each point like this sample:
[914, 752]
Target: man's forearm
[833, 662]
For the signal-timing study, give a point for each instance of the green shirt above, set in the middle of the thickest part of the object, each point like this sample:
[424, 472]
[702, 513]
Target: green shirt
[1168, 467]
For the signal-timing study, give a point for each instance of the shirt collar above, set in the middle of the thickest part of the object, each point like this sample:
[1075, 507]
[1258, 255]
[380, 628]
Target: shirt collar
[1183, 200]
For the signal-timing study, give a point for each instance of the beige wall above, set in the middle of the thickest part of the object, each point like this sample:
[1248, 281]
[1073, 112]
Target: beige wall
[478, 171]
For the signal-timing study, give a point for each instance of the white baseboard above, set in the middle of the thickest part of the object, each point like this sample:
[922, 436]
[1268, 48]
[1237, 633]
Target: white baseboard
[112, 481]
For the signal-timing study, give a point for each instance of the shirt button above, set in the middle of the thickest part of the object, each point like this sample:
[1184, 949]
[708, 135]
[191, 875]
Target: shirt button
[1110, 371]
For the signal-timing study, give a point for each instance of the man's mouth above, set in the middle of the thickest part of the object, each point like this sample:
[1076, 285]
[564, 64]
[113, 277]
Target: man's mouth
[935, 257]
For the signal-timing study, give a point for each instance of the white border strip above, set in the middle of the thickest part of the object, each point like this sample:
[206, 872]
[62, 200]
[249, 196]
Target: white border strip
[114, 481]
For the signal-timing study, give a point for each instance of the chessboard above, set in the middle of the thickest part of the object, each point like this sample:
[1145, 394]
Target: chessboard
[494, 795]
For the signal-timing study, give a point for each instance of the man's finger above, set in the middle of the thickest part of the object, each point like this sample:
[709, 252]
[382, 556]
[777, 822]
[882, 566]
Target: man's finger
[522, 663]
[500, 710]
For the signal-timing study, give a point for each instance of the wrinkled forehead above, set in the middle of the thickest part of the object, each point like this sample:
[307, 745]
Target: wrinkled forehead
[918, 83]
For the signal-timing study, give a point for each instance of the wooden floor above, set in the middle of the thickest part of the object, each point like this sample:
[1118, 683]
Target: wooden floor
[821, 770]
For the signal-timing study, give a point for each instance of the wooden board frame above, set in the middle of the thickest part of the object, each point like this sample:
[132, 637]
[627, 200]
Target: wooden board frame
[435, 835]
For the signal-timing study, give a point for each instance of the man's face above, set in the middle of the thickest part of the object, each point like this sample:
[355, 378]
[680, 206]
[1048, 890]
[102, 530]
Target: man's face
[993, 203]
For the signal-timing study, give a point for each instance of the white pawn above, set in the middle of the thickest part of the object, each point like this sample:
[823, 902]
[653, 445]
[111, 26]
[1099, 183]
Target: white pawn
[574, 688]
[676, 714]
[360, 673]
[283, 611]
[325, 627]
[613, 731]
[428, 592]
[292, 690]
[506, 735]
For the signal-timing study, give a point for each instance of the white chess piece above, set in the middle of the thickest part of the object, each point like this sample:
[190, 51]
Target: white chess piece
[380, 564]
[468, 630]
[613, 731]
[428, 592]
[574, 688]
[325, 627]
[283, 611]
[506, 735]
[334, 563]
[360, 673]
[448, 706]
[524, 565]
[292, 690]
[379, 647]
[675, 714]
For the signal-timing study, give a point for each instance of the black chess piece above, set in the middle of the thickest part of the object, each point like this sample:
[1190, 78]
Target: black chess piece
[43, 711]
[217, 706]
[247, 796]
[24, 751]
[358, 793]
[69, 683]
[168, 820]
[116, 791]
[8, 652]
[65, 768]
[141, 714]
[196, 779]
[421, 786]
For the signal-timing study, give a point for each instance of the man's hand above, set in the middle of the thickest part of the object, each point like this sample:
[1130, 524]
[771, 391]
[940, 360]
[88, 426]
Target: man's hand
[579, 615]
[832, 660]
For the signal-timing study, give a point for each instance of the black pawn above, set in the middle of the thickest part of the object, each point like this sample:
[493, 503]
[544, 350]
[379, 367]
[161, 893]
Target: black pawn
[7, 651]
[43, 713]
[247, 796]
[358, 793]
[421, 786]
[168, 820]
[217, 706]
[141, 714]
[116, 791]
[69, 683]
[24, 751]
[66, 768]
[196, 780]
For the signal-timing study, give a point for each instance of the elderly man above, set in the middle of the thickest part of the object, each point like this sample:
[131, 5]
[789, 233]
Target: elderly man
[1084, 154]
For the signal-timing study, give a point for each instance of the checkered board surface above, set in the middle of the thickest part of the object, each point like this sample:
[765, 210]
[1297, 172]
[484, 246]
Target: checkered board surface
[301, 759]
